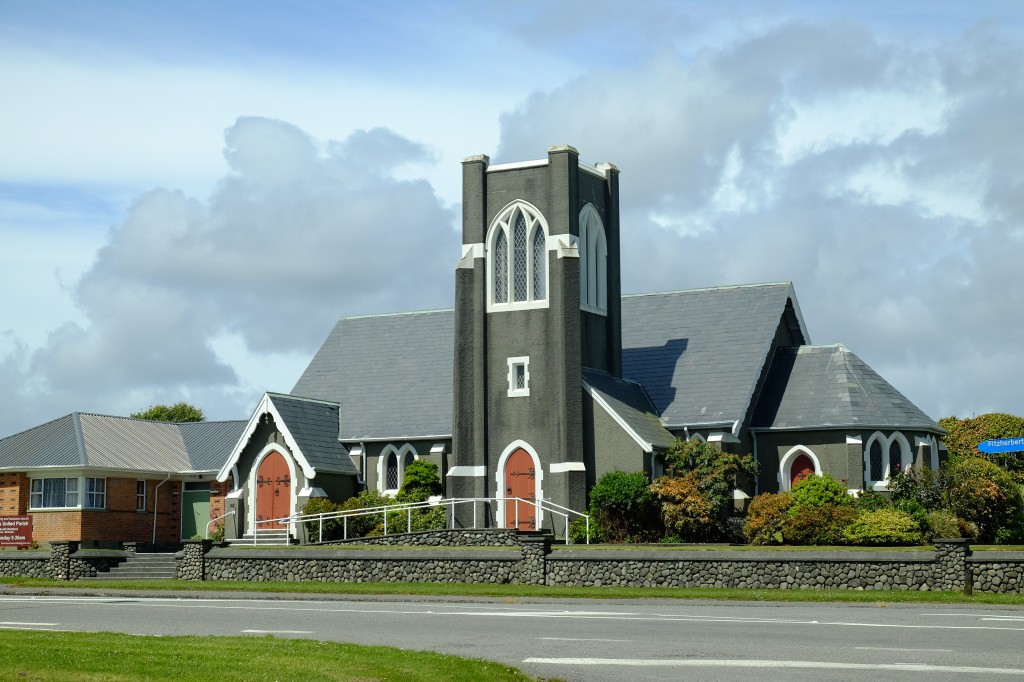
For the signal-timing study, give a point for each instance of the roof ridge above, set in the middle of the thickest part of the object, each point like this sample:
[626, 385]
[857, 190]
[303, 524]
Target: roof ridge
[723, 287]
[429, 311]
[289, 396]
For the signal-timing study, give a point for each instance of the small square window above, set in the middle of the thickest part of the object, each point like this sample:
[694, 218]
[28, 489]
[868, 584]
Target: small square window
[518, 376]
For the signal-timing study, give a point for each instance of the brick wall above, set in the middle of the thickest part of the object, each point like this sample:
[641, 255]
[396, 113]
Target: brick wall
[14, 490]
[218, 493]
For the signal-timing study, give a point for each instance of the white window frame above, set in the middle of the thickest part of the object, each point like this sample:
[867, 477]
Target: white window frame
[885, 442]
[382, 466]
[36, 498]
[593, 248]
[140, 497]
[514, 363]
[94, 493]
[504, 224]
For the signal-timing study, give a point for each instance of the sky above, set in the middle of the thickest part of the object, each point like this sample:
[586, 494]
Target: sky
[192, 193]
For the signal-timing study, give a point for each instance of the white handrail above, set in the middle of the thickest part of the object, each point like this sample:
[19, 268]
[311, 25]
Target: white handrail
[207, 534]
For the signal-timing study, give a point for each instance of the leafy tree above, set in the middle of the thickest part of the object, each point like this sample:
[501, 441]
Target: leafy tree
[987, 496]
[966, 434]
[420, 481]
[715, 471]
[178, 412]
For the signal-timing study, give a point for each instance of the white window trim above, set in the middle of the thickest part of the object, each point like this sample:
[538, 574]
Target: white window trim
[85, 492]
[144, 495]
[78, 493]
[906, 457]
[503, 223]
[382, 466]
[518, 361]
[592, 234]
[786, 465]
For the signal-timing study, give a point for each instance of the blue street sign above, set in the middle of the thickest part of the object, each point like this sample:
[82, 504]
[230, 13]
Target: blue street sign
[1002, 445]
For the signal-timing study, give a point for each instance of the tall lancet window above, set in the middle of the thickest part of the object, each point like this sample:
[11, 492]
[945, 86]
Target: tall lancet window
[593, 262]
[517, 258]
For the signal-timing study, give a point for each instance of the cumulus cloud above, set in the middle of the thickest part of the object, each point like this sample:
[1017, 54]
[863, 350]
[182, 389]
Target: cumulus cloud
[882, 178]
[299, 233]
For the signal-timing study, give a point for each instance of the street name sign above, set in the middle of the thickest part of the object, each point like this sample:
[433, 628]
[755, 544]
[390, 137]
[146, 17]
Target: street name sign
[1002, 445]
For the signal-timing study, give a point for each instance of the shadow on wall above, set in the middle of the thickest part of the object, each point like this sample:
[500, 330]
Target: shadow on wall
[655, 367]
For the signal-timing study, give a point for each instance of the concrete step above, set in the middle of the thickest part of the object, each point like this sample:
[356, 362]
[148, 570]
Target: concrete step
[152, 566]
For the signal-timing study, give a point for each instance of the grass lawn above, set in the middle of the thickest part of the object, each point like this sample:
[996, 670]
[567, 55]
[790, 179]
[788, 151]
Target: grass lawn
[104, 656]
[513, 592]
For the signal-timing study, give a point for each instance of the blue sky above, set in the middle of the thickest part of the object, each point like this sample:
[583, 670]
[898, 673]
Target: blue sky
[192, 193]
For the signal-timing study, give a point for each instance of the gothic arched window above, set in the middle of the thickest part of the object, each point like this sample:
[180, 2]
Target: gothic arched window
[517, 273]
[593, 262]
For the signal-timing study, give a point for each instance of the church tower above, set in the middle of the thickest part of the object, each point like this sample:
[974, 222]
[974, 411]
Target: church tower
[537, 299]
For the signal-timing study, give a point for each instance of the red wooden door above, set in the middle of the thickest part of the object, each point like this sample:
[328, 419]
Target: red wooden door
[521, 482]
[273, 490]
[801, 469]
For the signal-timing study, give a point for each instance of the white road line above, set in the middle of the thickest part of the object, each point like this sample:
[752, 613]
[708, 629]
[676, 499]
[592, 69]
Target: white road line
[27, 627]
[576, 639]
[277, 632]
[895, 648]
[14, 622]
[730, 663]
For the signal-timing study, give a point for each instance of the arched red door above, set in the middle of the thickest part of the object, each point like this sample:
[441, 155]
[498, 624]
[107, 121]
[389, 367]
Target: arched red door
[521, 482]
[273, 490]
[802, 467]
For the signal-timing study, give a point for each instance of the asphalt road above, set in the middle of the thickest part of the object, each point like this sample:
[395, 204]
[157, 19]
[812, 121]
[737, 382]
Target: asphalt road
[591, 639]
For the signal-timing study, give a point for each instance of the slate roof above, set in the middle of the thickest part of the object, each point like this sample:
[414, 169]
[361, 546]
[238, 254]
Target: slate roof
[93, 441]
[314, 426]
[699, 353]
[391, 375]
[631, 404]
[830, 387]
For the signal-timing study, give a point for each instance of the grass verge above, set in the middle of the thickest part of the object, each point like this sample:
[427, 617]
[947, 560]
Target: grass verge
[61, 656]
[512, 592]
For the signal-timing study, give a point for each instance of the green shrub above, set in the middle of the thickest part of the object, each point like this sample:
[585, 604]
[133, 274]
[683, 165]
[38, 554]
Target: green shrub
[883, 527]
[869, 500]
[986, 495]
[685, 512]
[624, 507]
[716, 473]
[915, 510]
[965, 435]
[332, 528]
[364, 525]
[419, 482]
[413, 520]
[925, 486]
[766, 515]
[817, 525]
[946, 524]
[818, 491]
[578, 531]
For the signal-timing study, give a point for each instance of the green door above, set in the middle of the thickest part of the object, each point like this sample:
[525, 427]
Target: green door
[195, 509]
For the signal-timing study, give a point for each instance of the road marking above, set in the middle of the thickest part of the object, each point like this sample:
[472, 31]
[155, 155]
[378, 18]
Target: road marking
[14, 622]
[28, 627]
[277, 632]
[894, 648]
[731, 663]
[575, 639]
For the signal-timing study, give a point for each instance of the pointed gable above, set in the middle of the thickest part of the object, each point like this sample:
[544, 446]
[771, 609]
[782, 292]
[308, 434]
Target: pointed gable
[700, 353]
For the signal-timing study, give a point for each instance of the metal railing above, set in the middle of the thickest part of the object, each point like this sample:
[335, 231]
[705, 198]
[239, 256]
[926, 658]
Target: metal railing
[212, 521]
[387, 511]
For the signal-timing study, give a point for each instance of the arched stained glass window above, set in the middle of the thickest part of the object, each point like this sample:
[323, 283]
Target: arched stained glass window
[895, 457]
[877, 465]
[392, 472]
[517, 243]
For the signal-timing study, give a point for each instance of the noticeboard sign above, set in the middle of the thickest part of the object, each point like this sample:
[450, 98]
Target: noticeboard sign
[15, 531]
[1002, 445]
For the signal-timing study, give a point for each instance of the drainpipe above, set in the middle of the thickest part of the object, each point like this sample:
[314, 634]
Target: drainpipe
[757, 463]
[156, 501]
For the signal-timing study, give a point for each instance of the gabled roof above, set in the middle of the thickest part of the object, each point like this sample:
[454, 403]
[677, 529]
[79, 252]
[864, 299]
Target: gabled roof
[95, 441]
[699, 353]
[310, 429]
[390, 374]
[830, 387]
[628, 404]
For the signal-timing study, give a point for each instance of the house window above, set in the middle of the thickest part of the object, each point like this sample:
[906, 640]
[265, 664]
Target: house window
[517, 272]
[518, 376]
[95, 493]
[593, 262]
[140, 496]
[53, 493]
